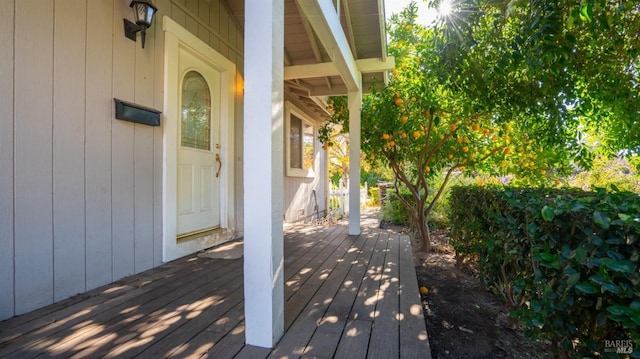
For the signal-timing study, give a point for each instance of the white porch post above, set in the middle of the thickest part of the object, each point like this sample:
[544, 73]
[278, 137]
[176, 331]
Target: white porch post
[355, 106]
[263, 172]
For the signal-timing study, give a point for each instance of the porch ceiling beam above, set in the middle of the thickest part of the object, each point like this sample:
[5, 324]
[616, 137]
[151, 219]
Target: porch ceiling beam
[347, 15]
[324, 20]
[312, 38]
[326, 69]
[383, 26]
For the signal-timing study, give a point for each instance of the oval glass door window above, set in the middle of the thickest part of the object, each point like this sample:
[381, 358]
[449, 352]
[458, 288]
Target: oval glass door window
[196, 112]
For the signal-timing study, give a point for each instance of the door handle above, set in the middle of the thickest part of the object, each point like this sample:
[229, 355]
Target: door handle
[219, 164]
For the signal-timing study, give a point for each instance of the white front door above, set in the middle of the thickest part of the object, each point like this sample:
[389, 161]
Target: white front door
[199, 161]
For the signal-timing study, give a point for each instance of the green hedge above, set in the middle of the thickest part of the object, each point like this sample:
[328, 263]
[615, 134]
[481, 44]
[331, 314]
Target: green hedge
[565, 261]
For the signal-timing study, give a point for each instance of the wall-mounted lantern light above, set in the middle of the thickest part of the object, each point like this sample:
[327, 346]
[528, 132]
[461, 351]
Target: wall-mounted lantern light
[143, 12]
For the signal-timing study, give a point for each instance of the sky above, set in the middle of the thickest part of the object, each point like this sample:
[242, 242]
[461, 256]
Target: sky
[425, 15]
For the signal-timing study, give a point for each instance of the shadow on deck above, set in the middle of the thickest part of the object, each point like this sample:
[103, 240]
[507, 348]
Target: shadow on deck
[346, 297]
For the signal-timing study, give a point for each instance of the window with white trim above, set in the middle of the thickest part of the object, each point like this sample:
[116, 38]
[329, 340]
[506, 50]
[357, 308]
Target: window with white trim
[300, 137]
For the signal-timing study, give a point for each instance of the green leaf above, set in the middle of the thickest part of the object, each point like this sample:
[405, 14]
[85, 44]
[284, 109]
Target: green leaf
[579, 254]
[622, 266]
[601, 219]
[548, 213]
[572, 280]
[618, 309]
[585, 13]
[587, 288]
[550, 260]
[611, 287]
[577, 207]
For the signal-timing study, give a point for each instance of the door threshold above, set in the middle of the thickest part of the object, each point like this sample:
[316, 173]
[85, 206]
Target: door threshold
[196, 234]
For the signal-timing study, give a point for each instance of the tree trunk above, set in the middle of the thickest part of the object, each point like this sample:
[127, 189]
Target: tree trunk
[422, 232]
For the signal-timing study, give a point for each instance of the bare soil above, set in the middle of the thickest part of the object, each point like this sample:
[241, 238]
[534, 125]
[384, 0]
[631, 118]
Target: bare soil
[464, 319]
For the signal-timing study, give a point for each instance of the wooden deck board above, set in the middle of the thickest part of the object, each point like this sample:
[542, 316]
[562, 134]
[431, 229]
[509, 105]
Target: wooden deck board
[346, 297]
[144, 313]
[354, 342]
[92, 319]
[329, 332]
[69, 312]
[414, 342]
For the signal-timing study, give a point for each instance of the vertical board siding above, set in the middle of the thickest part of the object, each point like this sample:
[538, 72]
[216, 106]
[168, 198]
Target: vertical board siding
[223, 29]
[122, 142]
[214, 23]
[143, 155]
[68, 148]
[6, 159]
[33, 162]
[298, 191]
[204, 12]
[98, 117]
[143, 185]
[81, 192]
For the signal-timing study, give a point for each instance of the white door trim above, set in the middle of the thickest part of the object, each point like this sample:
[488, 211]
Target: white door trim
[176, 37]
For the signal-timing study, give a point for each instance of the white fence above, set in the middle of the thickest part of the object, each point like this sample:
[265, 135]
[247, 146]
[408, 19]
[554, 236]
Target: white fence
[339, 200]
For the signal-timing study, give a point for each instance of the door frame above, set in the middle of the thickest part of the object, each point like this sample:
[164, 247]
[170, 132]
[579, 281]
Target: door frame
[176, 37]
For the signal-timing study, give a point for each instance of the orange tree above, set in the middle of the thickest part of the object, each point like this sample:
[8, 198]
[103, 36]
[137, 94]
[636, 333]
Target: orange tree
[418, 127]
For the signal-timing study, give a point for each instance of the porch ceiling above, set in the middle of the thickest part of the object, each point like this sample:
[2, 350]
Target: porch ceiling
[310, 70]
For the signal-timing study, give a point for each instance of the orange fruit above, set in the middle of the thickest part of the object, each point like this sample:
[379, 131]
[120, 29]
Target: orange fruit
[465, 149]
[427, 169]
[459, 139]
[325, 146]
[404, 119]
[399, 101]
[450, 156]
[424, 290]
[507, 150]
[452, 127]
[475, 127]
[416, 135]
[385, 136]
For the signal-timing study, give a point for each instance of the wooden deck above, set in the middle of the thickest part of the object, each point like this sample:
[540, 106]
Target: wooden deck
[346, 297]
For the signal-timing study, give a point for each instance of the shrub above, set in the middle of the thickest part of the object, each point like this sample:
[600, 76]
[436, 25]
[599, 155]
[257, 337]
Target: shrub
[617, 172]
[374, 196]
[394, 211]
[567, 262]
